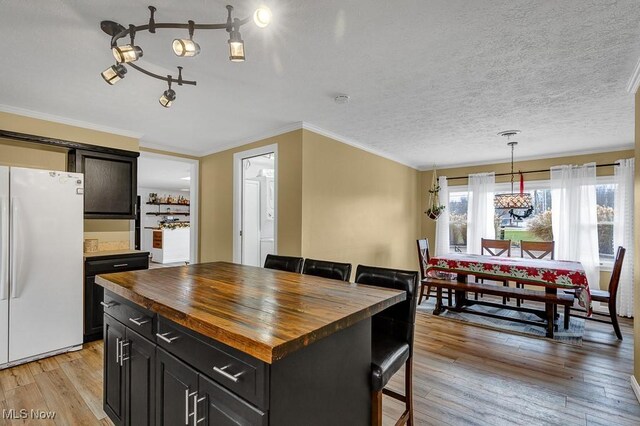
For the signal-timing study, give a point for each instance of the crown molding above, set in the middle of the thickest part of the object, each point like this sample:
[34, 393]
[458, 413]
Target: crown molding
[533, 158]
[170, 149]
[355, 144]
[634, 81]
[68, 121]
[268, 134]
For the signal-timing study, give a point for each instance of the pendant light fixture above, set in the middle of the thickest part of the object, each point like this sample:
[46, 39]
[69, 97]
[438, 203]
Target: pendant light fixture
[127, 54]
[514, 201]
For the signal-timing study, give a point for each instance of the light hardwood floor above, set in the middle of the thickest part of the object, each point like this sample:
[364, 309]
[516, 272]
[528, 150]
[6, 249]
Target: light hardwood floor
[463, 375]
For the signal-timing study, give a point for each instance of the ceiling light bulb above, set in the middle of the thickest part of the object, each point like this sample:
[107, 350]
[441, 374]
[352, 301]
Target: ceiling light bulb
[127, 53]
[167, 98]
[236, 47]
[114, 73]
[262, 16]
[185, 47]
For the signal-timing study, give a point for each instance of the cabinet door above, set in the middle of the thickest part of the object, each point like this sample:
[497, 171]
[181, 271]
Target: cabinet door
[114, 380]
[176, 384]
[222, 408]
[140, 361]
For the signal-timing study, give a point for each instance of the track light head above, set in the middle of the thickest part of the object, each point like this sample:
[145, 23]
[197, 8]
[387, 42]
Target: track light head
[114, 73]
[262, 16]
[126, 53]
[185, 47]
[236, 47]
[167, 98]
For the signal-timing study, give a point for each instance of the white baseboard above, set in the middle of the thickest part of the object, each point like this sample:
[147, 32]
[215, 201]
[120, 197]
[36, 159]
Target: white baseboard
[635, 386]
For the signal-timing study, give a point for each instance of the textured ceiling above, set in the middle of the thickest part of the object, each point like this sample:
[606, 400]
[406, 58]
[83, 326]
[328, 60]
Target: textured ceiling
[431, 82]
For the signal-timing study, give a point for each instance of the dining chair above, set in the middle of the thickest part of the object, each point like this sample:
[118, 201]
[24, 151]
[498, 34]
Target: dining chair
[283, 263]
[325, 269]
[391, 339]
[535, 250]
[608, 296]
[495, 248]
[423, 261]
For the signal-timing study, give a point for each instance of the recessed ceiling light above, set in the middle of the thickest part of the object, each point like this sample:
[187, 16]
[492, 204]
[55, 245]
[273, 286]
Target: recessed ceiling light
[342, 99]
[186, 178]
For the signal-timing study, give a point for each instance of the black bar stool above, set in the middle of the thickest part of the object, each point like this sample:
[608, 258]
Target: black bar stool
[283, 263]
[391, 339]
[325, 269]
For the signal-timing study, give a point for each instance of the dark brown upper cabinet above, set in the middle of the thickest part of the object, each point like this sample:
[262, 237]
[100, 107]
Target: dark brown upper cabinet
[110, 182]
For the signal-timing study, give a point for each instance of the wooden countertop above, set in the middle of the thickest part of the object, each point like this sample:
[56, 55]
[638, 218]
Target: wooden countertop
[262, 312]
[113, 253]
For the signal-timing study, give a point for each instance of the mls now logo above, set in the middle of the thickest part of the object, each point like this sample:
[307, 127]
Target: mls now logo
[28, 414]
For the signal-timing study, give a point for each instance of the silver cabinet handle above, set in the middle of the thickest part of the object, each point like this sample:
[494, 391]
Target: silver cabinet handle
[165, 338]
[118, 350]
[122, 358]
[120, 265]
[186, 406]
[196, 401]
[137, 321]
[233, 377]
[108, 305]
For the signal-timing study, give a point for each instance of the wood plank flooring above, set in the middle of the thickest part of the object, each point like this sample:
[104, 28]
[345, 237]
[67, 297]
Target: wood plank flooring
[463, 375]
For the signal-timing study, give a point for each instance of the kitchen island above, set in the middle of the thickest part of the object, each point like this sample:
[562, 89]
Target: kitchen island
[220, 343]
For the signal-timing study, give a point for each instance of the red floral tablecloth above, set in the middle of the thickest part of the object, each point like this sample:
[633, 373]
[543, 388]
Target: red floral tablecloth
[547, 273]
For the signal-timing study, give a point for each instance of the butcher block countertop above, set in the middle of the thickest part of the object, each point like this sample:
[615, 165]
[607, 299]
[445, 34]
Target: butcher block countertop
[265, 313]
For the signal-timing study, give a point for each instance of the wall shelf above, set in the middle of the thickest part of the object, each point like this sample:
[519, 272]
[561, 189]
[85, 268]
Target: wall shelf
[169, 213]
[168, 204]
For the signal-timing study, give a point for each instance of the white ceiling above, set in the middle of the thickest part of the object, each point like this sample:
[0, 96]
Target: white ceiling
[431, 82]
[160, 173]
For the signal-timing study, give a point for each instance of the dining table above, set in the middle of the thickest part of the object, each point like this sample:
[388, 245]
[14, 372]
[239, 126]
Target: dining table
[551, 274]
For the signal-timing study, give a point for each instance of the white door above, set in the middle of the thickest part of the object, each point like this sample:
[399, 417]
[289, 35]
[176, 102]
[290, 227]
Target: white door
[45, 312]
[251, 223]
[4, 265]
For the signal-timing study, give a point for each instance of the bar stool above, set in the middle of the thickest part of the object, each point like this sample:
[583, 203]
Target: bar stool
[325, 269]
[391, 339]
[283, 263]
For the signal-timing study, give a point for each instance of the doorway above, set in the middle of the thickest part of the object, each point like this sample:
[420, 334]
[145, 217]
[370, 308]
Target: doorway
[255, 205]
[168, 201]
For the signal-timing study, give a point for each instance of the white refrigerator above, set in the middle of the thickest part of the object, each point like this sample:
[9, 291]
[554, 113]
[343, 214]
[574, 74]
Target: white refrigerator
[41, 232]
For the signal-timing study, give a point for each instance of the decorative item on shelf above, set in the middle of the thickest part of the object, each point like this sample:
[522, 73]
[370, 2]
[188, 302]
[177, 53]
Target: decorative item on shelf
[153, 197]
[434, 209]
[127, 54]
[519, 205]
[174, 225]
[170, 199]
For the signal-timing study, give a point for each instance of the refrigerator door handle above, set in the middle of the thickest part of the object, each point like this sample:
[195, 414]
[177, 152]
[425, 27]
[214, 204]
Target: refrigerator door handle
[14, 254]
[4, 253]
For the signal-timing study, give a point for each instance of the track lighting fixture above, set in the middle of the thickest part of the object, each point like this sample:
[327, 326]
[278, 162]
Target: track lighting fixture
[114, 73]
[129, 53]
[186, 47]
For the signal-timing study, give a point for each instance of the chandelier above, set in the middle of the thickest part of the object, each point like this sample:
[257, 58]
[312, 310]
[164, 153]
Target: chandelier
[127, 54]
[514, 201]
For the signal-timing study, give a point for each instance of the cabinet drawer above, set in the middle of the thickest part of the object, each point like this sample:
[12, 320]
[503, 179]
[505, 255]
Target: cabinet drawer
[107, 266]
[135, 317]
[236, 371]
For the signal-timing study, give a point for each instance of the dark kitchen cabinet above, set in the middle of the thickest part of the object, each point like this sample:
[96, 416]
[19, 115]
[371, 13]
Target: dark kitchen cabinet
[94, 294]
[177, 385]
[110, 182]
[129, 375]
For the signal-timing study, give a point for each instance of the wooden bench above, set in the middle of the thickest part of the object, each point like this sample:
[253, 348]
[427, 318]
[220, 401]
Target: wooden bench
[550, 297]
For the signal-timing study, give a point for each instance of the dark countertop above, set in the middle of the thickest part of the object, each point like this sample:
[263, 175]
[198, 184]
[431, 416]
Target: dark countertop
[113, 254]
[262, 312]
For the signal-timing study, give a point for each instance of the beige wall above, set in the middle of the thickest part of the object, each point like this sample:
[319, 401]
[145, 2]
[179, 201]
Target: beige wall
[636, 270]
[22, 154]
[216, 198]
[428, 227]
[357, 207]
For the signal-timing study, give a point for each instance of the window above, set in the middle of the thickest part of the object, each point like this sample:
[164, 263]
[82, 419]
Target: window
[536, 227]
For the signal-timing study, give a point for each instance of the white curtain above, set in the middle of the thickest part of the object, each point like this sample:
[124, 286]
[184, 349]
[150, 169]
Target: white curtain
[623, 232]
[574, 219]
[442, 225]
[481, 210]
